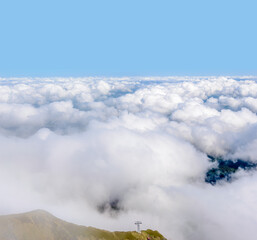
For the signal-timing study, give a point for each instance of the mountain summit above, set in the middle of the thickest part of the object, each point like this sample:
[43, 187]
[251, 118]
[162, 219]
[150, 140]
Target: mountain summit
[41, 225]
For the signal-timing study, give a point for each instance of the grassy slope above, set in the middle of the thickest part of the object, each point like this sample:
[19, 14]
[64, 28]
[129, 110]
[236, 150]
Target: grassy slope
[40, 225]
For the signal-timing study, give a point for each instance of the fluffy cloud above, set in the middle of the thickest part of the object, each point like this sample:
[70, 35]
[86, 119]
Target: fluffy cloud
[106, 152]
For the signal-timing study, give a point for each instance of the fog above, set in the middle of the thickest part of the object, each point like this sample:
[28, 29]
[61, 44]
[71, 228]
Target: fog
[106, 152]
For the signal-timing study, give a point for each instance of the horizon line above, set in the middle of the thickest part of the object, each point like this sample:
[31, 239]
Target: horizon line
[128, 76]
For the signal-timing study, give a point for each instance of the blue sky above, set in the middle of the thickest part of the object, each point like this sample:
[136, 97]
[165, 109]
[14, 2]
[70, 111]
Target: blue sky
[127, 37]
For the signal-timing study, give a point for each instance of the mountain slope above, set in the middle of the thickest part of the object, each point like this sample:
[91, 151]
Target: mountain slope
[41, 225]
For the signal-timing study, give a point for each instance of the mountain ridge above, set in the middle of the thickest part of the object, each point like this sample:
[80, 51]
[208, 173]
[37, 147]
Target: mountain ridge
[42, 225]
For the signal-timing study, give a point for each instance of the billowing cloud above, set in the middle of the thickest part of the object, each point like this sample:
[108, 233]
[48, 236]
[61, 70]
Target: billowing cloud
[107, 151]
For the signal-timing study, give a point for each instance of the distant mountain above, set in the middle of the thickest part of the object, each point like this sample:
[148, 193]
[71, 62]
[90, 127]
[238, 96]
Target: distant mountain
[41, 225]
[226, 168]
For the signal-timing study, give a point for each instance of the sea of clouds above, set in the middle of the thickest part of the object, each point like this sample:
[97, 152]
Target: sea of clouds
[108, 151]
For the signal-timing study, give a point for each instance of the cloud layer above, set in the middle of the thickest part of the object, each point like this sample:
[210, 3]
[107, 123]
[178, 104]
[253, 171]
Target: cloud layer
[107, 151]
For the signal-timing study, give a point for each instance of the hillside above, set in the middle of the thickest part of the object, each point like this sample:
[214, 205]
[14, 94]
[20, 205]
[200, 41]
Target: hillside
[41, 225]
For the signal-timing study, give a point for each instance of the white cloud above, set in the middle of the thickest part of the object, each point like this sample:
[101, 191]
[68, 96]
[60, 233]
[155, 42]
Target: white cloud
[71, 146]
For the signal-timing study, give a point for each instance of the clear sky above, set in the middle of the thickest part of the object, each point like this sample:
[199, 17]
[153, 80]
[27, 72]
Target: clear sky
[127, 37]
